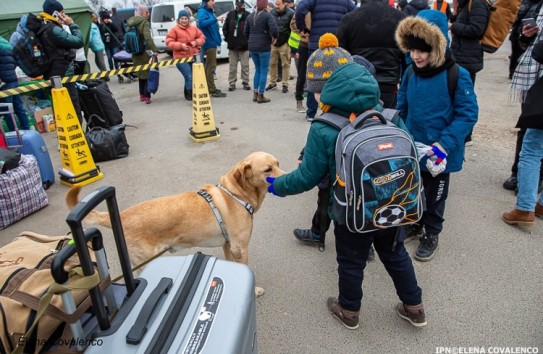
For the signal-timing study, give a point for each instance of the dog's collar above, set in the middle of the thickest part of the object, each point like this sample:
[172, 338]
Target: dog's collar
[246, 205]
[216, 212]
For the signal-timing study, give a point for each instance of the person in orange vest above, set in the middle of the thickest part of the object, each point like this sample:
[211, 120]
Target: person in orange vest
[442, 6]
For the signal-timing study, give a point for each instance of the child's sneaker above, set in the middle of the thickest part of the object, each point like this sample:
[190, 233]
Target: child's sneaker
[307, 236]
[413, 314]
[347, 318]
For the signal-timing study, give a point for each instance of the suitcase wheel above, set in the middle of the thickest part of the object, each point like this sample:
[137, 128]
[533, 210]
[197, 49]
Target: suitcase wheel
[121, 80]
[47, 184]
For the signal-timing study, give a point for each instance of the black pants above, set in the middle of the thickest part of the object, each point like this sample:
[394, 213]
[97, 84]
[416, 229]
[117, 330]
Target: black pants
[518, 147]
[321, 220]
[143, 88]
[436, 190]
[303, 55]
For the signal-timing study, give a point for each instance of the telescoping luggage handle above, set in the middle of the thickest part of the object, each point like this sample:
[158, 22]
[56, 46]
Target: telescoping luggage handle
[60, 275]
[74, 220]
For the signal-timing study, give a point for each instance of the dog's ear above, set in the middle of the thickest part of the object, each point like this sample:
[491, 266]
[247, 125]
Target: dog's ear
[242, 173]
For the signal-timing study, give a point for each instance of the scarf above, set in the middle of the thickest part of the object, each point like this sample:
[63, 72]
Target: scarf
[528, 70]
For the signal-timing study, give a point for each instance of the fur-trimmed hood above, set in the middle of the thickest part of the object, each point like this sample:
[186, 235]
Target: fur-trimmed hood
[430, 33]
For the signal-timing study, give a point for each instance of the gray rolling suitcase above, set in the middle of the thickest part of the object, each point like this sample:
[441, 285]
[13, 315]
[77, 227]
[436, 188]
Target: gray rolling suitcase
[189, 304]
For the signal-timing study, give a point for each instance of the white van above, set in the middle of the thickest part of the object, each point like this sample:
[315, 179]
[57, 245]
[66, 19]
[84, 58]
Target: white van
[164, 17]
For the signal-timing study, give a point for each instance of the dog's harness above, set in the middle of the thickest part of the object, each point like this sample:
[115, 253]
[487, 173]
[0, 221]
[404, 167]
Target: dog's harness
[204, 194]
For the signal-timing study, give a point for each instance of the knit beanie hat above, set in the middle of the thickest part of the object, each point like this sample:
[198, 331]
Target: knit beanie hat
[324, 61]
[360, 60]
[50, 6]
[183, 13]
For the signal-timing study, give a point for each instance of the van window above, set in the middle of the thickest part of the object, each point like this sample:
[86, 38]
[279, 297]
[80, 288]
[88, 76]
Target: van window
[164, 13]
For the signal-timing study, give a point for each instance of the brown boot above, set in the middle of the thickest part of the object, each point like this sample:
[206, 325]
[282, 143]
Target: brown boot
[262, 99]
[347, 318]
[519, 217]
[255, 96]
[413, 314]
[538, 210]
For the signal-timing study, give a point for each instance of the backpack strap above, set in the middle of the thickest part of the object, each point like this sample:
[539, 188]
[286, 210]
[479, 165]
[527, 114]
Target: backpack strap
[333, 120]
[452, 78]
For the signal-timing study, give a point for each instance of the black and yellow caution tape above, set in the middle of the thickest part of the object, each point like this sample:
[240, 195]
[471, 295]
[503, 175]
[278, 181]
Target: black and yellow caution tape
[99, 75]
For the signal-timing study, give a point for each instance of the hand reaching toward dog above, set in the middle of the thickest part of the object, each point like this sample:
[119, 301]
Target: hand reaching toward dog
[271, 190]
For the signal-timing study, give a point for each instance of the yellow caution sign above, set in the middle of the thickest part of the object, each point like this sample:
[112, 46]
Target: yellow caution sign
[203, 122]
[78, 168]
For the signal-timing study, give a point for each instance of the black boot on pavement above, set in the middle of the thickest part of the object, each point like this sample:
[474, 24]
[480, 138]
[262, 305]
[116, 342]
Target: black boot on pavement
[427, 247]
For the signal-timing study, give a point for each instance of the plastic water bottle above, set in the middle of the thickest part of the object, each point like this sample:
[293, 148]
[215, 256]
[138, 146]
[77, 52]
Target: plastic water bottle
[37, 52]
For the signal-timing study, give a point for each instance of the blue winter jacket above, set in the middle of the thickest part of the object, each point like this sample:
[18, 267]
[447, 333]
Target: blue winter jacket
[208, 24]
[95, 39]
[325, 17]
[430, 116]
[19, 32]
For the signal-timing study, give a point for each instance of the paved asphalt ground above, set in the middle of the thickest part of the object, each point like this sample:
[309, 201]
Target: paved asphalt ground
[482, 290]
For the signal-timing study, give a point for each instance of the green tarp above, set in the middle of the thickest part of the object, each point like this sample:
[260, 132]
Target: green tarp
[12, 10]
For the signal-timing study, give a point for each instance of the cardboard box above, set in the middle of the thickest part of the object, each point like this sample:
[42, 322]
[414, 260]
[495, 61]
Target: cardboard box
[38, 116]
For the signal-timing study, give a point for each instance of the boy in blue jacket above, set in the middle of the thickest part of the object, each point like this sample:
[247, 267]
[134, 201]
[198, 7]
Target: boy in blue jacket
[432, 117]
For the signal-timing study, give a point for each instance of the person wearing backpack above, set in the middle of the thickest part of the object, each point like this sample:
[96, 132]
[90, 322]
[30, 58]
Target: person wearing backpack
[349, 91]
[60, 45]
[140, 21]
[432, 116]
[9, 77]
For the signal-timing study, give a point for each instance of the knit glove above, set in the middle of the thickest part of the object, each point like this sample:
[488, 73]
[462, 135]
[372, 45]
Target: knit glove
[271, 190]
[422, 150]
[435, 168]
[437, 154]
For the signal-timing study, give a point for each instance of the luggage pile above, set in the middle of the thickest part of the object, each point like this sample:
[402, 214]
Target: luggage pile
[186, 304]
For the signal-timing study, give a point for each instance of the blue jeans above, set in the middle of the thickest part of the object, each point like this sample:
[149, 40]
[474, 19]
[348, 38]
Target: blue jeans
[110, 53]
[18, 109]
[262, 65]
[352, 254]
[528, 170]
[186, 70]
[312, 104]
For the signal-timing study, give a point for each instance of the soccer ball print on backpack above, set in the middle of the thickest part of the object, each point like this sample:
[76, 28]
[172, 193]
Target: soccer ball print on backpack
[29, 52]
[133, 41]
[378, 182]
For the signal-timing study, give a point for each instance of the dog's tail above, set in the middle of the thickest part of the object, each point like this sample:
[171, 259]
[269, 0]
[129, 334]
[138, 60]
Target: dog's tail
[94, 217]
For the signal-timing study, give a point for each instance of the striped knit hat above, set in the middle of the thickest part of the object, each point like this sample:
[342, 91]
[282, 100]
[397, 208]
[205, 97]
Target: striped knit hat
[324, 61]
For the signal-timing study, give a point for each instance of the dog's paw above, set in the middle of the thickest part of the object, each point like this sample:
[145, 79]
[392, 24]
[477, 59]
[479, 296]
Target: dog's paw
[259, 291]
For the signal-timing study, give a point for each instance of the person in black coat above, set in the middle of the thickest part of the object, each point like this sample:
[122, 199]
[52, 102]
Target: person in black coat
[369, 32]
[468, 25]
[238, 47]
[110, 37]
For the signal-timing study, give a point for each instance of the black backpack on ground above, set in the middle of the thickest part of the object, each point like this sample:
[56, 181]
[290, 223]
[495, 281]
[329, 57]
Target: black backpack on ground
[95, 98]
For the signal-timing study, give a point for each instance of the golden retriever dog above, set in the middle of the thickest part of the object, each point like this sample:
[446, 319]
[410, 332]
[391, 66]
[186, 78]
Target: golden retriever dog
[187, 219]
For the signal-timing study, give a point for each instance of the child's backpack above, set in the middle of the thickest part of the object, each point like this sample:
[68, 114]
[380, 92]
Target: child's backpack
[29, 52]
[378, 183]
[133, 41]
[500, 21]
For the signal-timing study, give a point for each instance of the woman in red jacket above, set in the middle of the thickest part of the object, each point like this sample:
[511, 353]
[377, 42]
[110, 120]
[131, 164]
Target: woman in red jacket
[185, 41]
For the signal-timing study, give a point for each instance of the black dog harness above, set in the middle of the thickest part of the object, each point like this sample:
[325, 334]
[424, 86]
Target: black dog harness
[247, 206]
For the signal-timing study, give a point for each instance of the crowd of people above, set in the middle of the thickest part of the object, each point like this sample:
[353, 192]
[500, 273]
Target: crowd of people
[350, 60]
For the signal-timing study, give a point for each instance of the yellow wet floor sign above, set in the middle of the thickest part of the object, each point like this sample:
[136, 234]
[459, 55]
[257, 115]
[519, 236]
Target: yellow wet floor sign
[203, 122]
[78, 168]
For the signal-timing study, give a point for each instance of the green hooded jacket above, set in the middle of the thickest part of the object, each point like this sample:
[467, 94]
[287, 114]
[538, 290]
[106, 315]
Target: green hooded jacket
[350, 89]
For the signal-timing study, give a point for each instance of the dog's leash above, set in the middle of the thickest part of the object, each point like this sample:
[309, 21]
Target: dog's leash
[142, 264]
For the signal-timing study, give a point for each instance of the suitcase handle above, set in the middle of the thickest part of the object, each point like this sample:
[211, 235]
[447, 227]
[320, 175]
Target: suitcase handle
[57, 267]
[138, 330]
[81, 210]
